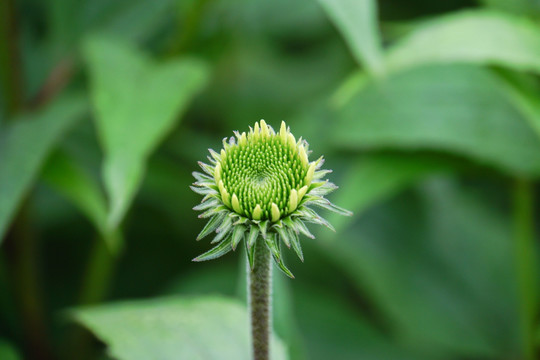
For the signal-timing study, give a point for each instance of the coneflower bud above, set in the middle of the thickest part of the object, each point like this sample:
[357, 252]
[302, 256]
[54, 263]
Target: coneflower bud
[265, 181]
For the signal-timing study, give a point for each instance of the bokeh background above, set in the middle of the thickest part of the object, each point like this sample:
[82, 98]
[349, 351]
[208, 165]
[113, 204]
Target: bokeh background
[427, 111]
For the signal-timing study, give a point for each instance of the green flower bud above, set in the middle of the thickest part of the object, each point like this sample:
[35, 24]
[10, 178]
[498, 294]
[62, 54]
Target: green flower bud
[262, 179]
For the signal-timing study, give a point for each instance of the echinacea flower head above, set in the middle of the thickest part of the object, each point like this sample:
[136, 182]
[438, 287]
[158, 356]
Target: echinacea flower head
[262, 187]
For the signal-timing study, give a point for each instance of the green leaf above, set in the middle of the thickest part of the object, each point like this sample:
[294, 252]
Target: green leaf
[8, 352]
[459, 109]
[440, 257]
[522, 7]
[374, 178]
[480, 37]
[136, 104]
[331, 325]
[358, 23]
[24, 147]
[523, 91]
[174, 328]
[63, 174]
[135, 20]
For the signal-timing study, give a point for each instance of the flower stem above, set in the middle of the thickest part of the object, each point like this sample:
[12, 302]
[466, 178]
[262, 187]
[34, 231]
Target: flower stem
[97, 280]
[525, 261]
[99, 271]
[260, 301]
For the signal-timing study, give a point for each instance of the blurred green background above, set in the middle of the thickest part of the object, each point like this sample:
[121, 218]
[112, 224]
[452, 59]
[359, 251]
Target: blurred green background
[427, 111]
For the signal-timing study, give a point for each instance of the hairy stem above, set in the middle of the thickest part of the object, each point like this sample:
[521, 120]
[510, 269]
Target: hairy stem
[525, 261]
[260, 301]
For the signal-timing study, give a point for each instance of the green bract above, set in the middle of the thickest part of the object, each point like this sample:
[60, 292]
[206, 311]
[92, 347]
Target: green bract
[261, 186]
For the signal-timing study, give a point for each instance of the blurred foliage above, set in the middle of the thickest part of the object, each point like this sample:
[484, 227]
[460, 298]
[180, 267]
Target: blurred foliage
[175, 328]
[428, 112]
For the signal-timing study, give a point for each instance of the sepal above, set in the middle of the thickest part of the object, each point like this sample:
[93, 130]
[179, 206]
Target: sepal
[273, 245]
[206, 205]
[263, 227]
[206, 183]
[284, 235]
[223, 230]
[250, 252]
[211, 225]
[295, 241]
[212, 212]
[237, 235]
[275, 248]
[203, 190]
[252, 236]
[284, 268]
[207, 168]
[200, 176]
[311, 216]
[325, 204]
[215, 155]
[218, 251]
[323, 190]
[299, 224]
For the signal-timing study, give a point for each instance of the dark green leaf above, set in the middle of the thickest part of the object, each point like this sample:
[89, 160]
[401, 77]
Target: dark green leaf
[442, 255]
[459, 109]
[375, 178]
[523, 7]
[24, 147]
[8, 352]
[331, 325]
[70, 180]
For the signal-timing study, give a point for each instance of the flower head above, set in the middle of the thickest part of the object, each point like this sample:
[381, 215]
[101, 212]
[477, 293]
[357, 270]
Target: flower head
[262, 187]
